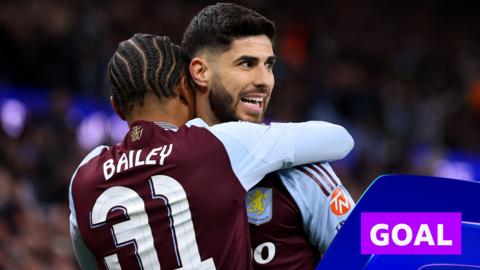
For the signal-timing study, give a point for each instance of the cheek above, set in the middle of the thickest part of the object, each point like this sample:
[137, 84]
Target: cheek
[235, 83]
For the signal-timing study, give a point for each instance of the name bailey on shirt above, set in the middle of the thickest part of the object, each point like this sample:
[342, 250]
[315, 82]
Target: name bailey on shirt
[134, 158]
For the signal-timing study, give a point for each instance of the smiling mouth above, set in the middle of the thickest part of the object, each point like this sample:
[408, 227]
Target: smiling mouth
[253, 100]
[253, 104]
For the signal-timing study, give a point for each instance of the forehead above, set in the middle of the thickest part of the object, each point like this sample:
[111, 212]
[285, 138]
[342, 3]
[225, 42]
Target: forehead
[256, 46]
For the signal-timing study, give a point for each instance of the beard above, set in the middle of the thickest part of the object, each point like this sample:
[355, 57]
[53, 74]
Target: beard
[222, 103]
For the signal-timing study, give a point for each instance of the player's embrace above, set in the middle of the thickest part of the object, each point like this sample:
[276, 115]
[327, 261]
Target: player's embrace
[294, 214]
[171, 194]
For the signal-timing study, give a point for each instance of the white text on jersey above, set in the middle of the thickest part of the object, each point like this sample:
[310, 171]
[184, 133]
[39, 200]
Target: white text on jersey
[133, 159]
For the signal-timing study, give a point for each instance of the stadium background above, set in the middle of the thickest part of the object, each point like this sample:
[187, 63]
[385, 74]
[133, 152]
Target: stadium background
[402, 76]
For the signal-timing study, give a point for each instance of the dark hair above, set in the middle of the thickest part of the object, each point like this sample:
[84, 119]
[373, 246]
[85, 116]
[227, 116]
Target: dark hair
[144, 64]
[216, 26]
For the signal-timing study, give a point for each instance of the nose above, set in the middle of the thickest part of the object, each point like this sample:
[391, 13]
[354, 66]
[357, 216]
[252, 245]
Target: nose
[263, 77]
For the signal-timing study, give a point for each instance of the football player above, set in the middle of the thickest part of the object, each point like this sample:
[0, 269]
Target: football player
[292, 221]
[171, 194]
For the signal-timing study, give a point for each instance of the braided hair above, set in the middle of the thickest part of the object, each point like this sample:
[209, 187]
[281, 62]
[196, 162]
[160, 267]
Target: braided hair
[144, 64]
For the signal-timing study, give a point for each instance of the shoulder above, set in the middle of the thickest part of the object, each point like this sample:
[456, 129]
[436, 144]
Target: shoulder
[196, 122]
[311, 178]
[94, 153]
[228, 127]
[89, 157]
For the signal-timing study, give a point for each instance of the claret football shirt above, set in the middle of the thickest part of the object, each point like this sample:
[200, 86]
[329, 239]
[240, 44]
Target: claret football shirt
[173, 198]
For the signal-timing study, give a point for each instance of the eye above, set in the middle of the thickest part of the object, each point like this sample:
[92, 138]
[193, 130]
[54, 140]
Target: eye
[270, 64]
[247, 64]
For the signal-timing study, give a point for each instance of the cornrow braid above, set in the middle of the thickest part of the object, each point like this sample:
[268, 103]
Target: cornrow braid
[144, 64]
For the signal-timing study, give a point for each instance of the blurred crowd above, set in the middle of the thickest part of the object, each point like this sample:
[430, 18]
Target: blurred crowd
[403, 77]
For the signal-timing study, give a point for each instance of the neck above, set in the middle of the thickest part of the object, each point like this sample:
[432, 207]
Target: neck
[169, 111]
[204, 111]
[157, 118]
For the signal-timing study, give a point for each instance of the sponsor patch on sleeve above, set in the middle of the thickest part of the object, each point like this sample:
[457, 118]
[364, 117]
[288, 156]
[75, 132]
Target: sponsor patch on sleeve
[339, 204]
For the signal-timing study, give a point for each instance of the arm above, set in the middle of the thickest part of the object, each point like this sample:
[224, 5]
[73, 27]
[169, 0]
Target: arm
[323, 201]
[256, 150]
[84, 256]
[317, 141]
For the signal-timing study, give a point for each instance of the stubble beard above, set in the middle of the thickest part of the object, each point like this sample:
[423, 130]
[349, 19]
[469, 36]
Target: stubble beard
[221, 103]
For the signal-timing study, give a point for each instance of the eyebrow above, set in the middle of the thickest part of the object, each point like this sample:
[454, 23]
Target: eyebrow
[272, 58]
[245, 58]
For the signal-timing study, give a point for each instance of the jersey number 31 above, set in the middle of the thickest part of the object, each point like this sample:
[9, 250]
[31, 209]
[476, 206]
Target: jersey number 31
[136, 229]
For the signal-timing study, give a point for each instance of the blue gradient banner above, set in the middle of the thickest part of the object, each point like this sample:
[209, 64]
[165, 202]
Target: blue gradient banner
[406, 194]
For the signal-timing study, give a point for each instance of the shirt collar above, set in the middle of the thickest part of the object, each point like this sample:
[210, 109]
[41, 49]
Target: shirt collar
[166, 126]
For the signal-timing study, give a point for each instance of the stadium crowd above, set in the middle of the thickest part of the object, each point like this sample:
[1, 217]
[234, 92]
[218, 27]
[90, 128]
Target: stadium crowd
[403, 77]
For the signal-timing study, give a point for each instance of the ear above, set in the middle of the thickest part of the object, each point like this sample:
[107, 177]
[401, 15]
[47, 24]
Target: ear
[116, 109]
[186, 95]
[199, 71]
[184, 92]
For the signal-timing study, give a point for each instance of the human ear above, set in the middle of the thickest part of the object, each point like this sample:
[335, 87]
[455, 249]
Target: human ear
[185, 92]
[116, 109]
[199, 71]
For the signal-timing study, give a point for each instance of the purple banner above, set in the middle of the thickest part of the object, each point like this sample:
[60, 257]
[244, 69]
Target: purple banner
[411, 233]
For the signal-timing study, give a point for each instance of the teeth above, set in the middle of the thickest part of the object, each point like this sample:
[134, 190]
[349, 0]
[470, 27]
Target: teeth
[256, 100]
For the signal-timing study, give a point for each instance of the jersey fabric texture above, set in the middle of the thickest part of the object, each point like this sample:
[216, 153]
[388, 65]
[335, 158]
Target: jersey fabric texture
[294, 214]
[175, 197]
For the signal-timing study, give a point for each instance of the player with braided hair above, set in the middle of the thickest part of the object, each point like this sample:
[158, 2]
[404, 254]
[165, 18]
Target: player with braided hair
[134, 70]
[171, 194]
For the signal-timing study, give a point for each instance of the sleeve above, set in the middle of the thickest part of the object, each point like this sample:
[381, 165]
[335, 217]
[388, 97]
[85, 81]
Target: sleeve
[322, 199]
[256, 150]
[84, 256]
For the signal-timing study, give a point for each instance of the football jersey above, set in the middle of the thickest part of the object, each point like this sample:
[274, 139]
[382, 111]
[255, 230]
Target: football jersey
[292, 221]
[173, 198]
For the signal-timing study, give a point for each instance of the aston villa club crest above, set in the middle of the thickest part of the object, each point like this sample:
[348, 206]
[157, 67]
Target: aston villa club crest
[259, 205]
[136, 133]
